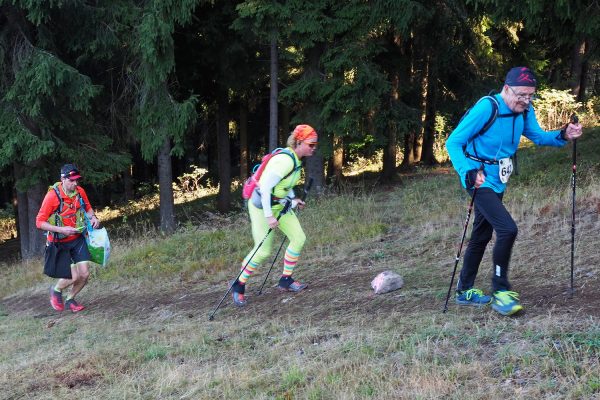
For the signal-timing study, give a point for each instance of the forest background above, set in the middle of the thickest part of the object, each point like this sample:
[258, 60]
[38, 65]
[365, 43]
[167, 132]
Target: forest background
[152, 96]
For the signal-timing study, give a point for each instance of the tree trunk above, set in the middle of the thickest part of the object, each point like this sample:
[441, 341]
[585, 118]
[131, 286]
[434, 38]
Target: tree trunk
[22, 212]
[35, 195]
[285, 128]
[409, 159]
[417, 145]
[31, 239]
[576, 67]
[315, 169]
[389, 153]
[224, 158]
[585, 67]
[583, 85]
[23, 216]
[273, 112]
[128, 183]
[315, 165]
[165, 185]
[337, 160]
[427, 156]
[244, 156]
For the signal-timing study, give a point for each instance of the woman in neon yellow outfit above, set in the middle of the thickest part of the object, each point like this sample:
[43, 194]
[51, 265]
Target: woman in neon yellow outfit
[280, 175]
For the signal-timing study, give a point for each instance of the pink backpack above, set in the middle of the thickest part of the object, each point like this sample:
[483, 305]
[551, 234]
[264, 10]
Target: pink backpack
[252, 182]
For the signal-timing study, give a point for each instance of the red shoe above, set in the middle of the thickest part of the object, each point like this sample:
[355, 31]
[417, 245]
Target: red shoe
[56, 299]
[74, 306]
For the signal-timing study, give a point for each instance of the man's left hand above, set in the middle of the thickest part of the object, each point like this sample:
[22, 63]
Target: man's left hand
[94, 221]
[573, 131]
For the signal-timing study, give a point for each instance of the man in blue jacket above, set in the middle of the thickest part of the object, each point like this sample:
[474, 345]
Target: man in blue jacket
[481, 149]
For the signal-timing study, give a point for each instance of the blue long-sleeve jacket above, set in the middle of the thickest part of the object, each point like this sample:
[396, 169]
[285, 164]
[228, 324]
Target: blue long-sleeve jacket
[501, 140]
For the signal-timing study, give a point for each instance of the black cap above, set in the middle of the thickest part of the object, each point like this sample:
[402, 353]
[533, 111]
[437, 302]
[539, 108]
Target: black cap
[70, 171]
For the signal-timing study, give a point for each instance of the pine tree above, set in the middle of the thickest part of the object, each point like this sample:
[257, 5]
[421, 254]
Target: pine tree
[46, 103]
[160, 121]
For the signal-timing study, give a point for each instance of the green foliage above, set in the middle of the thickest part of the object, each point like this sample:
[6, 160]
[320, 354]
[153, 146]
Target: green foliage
[155, 352]
[565, 20]
[554, 108]
[18, 143]
[293, 377]
[49, 107]
[189, 182]
[263, 16]
[42, 79]
[155, 48]
[157, 115]
[38, 10]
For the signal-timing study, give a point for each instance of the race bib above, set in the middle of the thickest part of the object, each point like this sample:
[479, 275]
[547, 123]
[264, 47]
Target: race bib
[505, 168]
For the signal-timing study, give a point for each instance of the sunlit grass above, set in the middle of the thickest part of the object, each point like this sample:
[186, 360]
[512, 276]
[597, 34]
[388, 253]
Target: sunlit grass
[146, 334]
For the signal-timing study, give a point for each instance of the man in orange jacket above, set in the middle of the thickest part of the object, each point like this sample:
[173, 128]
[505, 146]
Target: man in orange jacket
[62, 215]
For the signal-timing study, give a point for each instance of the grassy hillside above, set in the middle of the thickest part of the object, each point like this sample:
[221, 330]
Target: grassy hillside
[146, 335]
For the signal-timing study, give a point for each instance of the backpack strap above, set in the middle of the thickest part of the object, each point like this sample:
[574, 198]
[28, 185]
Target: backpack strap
[57, 211]
[60, 204]
[490, 120]
[88, 224]
[294, 169]
[81, 201]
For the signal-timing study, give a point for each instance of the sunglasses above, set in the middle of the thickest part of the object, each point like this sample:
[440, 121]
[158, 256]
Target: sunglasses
[312, 145]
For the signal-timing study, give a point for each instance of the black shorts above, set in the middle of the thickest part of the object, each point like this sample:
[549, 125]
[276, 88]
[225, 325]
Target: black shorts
[77, 249]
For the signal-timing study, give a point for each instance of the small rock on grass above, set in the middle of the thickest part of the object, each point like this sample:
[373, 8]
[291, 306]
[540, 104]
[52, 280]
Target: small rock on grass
[387, 281]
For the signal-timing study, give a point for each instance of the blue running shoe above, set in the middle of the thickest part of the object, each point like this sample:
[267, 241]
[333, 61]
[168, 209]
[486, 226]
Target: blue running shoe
[506, 302]
[472, 297]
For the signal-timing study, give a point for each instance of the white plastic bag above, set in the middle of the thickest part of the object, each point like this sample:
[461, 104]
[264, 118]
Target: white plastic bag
[98, 245]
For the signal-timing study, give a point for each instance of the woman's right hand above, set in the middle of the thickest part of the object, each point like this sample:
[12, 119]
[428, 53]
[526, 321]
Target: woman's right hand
[272, 221]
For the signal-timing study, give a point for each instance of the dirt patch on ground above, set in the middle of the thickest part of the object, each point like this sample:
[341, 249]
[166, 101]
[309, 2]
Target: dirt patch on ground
[325, 297]
[549, 298]
[77, 378]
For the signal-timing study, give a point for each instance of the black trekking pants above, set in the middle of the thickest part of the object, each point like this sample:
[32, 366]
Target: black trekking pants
[490, 215]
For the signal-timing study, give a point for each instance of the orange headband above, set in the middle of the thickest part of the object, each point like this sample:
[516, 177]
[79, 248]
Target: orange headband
[304, 132]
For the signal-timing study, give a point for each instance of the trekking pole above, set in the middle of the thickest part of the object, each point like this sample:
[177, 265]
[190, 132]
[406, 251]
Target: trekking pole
[285, 209]
[306, 189]
[574, 120]
[464, 234]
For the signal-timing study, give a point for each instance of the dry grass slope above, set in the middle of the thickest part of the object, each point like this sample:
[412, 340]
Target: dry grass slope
[146, 335]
